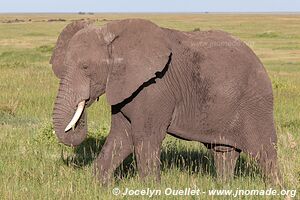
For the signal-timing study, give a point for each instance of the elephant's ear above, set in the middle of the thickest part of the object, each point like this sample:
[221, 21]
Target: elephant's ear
[139, 50]
[58, 56]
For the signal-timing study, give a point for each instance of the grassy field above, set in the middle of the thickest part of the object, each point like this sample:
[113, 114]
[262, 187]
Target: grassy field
[34, 166]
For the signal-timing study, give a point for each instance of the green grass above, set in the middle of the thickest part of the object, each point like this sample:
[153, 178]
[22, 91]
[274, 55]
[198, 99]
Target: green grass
[267, 35]
[34, 166]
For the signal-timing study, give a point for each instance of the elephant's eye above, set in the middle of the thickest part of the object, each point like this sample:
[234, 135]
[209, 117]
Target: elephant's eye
[84, 66]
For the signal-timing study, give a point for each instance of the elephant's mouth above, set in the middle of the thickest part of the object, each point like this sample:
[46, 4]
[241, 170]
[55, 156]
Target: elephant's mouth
[76, 116]
[79, 110]
[89, 101]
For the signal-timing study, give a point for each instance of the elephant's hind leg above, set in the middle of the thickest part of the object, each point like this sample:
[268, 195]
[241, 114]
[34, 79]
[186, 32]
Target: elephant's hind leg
[225, 158]
[267, 159]
[261, 144]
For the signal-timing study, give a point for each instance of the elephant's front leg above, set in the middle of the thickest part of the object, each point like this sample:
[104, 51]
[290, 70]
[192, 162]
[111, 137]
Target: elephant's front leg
[147, 151]
[148, 132]
[117, 147]
[150, 114]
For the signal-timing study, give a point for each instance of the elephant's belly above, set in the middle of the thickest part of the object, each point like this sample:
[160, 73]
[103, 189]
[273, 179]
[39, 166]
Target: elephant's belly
[207, 124]
[193, 135]
[209, 136]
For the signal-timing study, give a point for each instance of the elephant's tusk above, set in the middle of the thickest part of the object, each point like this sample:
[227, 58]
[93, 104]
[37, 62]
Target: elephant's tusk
[76, 116]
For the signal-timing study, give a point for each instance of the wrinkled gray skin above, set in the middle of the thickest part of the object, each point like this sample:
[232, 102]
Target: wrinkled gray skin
[203, 86]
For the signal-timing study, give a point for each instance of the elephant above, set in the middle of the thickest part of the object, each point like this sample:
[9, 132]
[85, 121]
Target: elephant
[205, 86]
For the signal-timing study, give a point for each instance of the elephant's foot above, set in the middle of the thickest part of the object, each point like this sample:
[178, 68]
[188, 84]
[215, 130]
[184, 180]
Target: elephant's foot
[273, 177]
[267, 158]
[148, 163]
[225, 160]
[102, 175]
[108, 160]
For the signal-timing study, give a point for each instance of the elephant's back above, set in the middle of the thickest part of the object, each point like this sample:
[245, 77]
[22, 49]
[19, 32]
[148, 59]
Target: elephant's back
[220, 76]
[218, 54]
[226, 60]
[235, 72]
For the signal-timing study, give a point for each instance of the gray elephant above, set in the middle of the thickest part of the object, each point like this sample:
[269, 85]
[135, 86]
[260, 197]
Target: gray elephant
[204, 86]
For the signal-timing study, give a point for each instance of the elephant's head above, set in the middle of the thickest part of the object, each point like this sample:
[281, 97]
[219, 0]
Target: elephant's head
[116, 58]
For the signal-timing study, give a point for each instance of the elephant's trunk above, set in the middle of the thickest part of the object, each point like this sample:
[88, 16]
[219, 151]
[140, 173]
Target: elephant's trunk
[63, 113]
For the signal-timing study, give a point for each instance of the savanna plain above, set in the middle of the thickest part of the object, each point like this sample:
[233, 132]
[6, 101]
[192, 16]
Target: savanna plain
[33, 165]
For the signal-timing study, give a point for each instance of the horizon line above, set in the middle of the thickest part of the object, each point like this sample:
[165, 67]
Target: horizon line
[121, 12]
